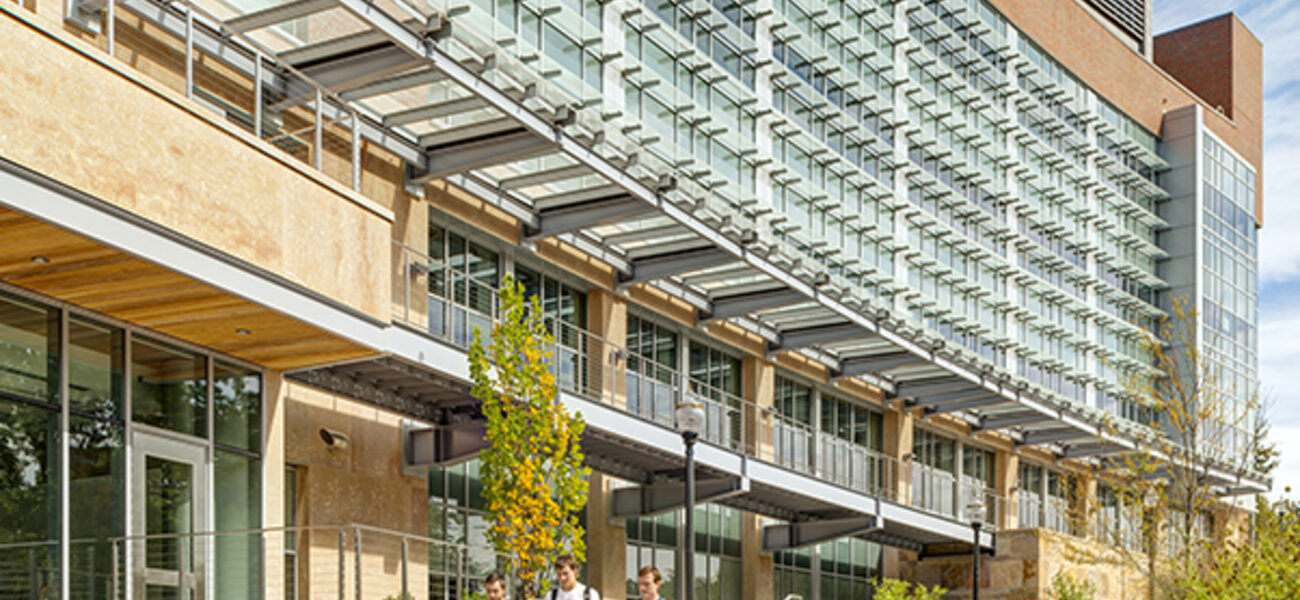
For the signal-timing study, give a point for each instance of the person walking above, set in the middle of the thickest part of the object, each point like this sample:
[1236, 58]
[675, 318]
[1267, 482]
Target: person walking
[495, 586]
[648, 581]
[566, 575]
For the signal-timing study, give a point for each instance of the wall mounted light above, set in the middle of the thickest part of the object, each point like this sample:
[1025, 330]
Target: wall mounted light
[334, 440]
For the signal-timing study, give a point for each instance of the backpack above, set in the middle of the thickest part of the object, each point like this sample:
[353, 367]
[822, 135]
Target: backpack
[586, 593]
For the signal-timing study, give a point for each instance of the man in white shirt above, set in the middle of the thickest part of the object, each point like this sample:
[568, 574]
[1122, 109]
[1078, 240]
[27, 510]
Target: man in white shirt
[566, 575]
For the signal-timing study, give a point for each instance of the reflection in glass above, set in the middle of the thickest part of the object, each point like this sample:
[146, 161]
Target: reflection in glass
[29, 499]
[29, 355]
[95, 479]
[237, 406]
[237, 500]
[95, 368]
[168, 387]
[169, 509]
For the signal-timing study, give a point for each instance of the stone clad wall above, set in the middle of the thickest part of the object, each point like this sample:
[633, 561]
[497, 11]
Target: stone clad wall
[1025, 563]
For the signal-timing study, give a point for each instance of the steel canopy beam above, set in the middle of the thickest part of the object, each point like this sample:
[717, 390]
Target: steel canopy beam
[793, 339]
[912, 389]
[434, 111]
[995, 423]
[789, 536]
[394, 84]
[587, 214]
[1047, 436]
[279, 14]
[652, 499]
[480, 153]
[862, 365]
[1082, 450]
[728, 307]
[668, 264]
[541, 177]
[973, 401]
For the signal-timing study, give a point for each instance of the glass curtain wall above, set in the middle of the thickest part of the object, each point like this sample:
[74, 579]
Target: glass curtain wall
[564, 309]
[463, 279]
[457, 515]
[656, 541]
[171, 389]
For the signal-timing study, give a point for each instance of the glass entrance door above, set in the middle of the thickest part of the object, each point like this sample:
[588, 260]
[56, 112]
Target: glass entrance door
[169, 495]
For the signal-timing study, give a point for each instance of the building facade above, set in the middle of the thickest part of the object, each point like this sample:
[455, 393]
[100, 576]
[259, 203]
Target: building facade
[910, 255]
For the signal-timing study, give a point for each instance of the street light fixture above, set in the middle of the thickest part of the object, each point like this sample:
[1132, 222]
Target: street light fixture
[690, 422]
[975, 513]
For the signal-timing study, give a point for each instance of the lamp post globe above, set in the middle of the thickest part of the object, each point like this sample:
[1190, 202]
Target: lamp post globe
[690, 417]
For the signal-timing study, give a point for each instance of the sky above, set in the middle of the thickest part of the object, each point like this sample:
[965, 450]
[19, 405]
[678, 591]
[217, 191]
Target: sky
[1275, 23]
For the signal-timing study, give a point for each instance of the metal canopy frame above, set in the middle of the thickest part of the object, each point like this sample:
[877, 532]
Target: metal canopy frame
[456, 107]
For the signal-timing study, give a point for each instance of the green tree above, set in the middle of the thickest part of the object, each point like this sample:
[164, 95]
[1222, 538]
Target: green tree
[534, 481]
[894, 589]
[1066, 587]
[1266, 566]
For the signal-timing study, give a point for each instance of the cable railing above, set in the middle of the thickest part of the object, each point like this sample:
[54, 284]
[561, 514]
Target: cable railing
[448, 304]
[343, 562]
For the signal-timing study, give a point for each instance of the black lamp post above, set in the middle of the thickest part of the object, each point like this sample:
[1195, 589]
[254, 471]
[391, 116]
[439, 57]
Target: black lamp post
[975, 514]
[690, 421]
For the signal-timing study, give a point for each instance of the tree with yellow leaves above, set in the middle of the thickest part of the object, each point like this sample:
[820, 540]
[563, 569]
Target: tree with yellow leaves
[534, 481]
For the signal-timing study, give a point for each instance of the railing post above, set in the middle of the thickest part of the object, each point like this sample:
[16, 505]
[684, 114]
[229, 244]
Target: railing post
[404, 555]
[317, 133]
[357, 549]
[180, 567]
[189, 50]
[113, 577]
[257, 94]
[343, 563]
[356, 151]
[406, 286]
[110, 27]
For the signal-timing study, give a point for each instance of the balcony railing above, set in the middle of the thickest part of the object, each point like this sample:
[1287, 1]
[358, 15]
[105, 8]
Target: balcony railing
[449, 304]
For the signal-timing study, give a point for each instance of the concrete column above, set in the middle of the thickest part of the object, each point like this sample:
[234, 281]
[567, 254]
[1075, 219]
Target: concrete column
[898, 446]
[759, 387]
[1007, 479]
[606, 542]
[607, 319]
[758, 570]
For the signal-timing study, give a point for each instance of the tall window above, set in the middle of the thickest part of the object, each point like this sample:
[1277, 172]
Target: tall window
[653, 541]
[564, 309]
[793, 428]
[290, 536]
[457, 516]
[715, 376]
[463, 280]
[651, 369]
[848, 451]
[934, 466]
[847, 567]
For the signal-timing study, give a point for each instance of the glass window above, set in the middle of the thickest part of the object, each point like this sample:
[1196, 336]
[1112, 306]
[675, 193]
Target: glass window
[291, 537]
[237, 406]
[29, 498]
[237, 497]
[95, 361]
[29, 350]
[169, 387]
[96, 492]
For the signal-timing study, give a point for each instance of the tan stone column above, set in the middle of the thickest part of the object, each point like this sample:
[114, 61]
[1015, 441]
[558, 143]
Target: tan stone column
[1083, 504]
[273, 397]
[606, 542]
[758, 570]
[759, 387]
[897, 446]
[607, 360]
[1007, 482]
